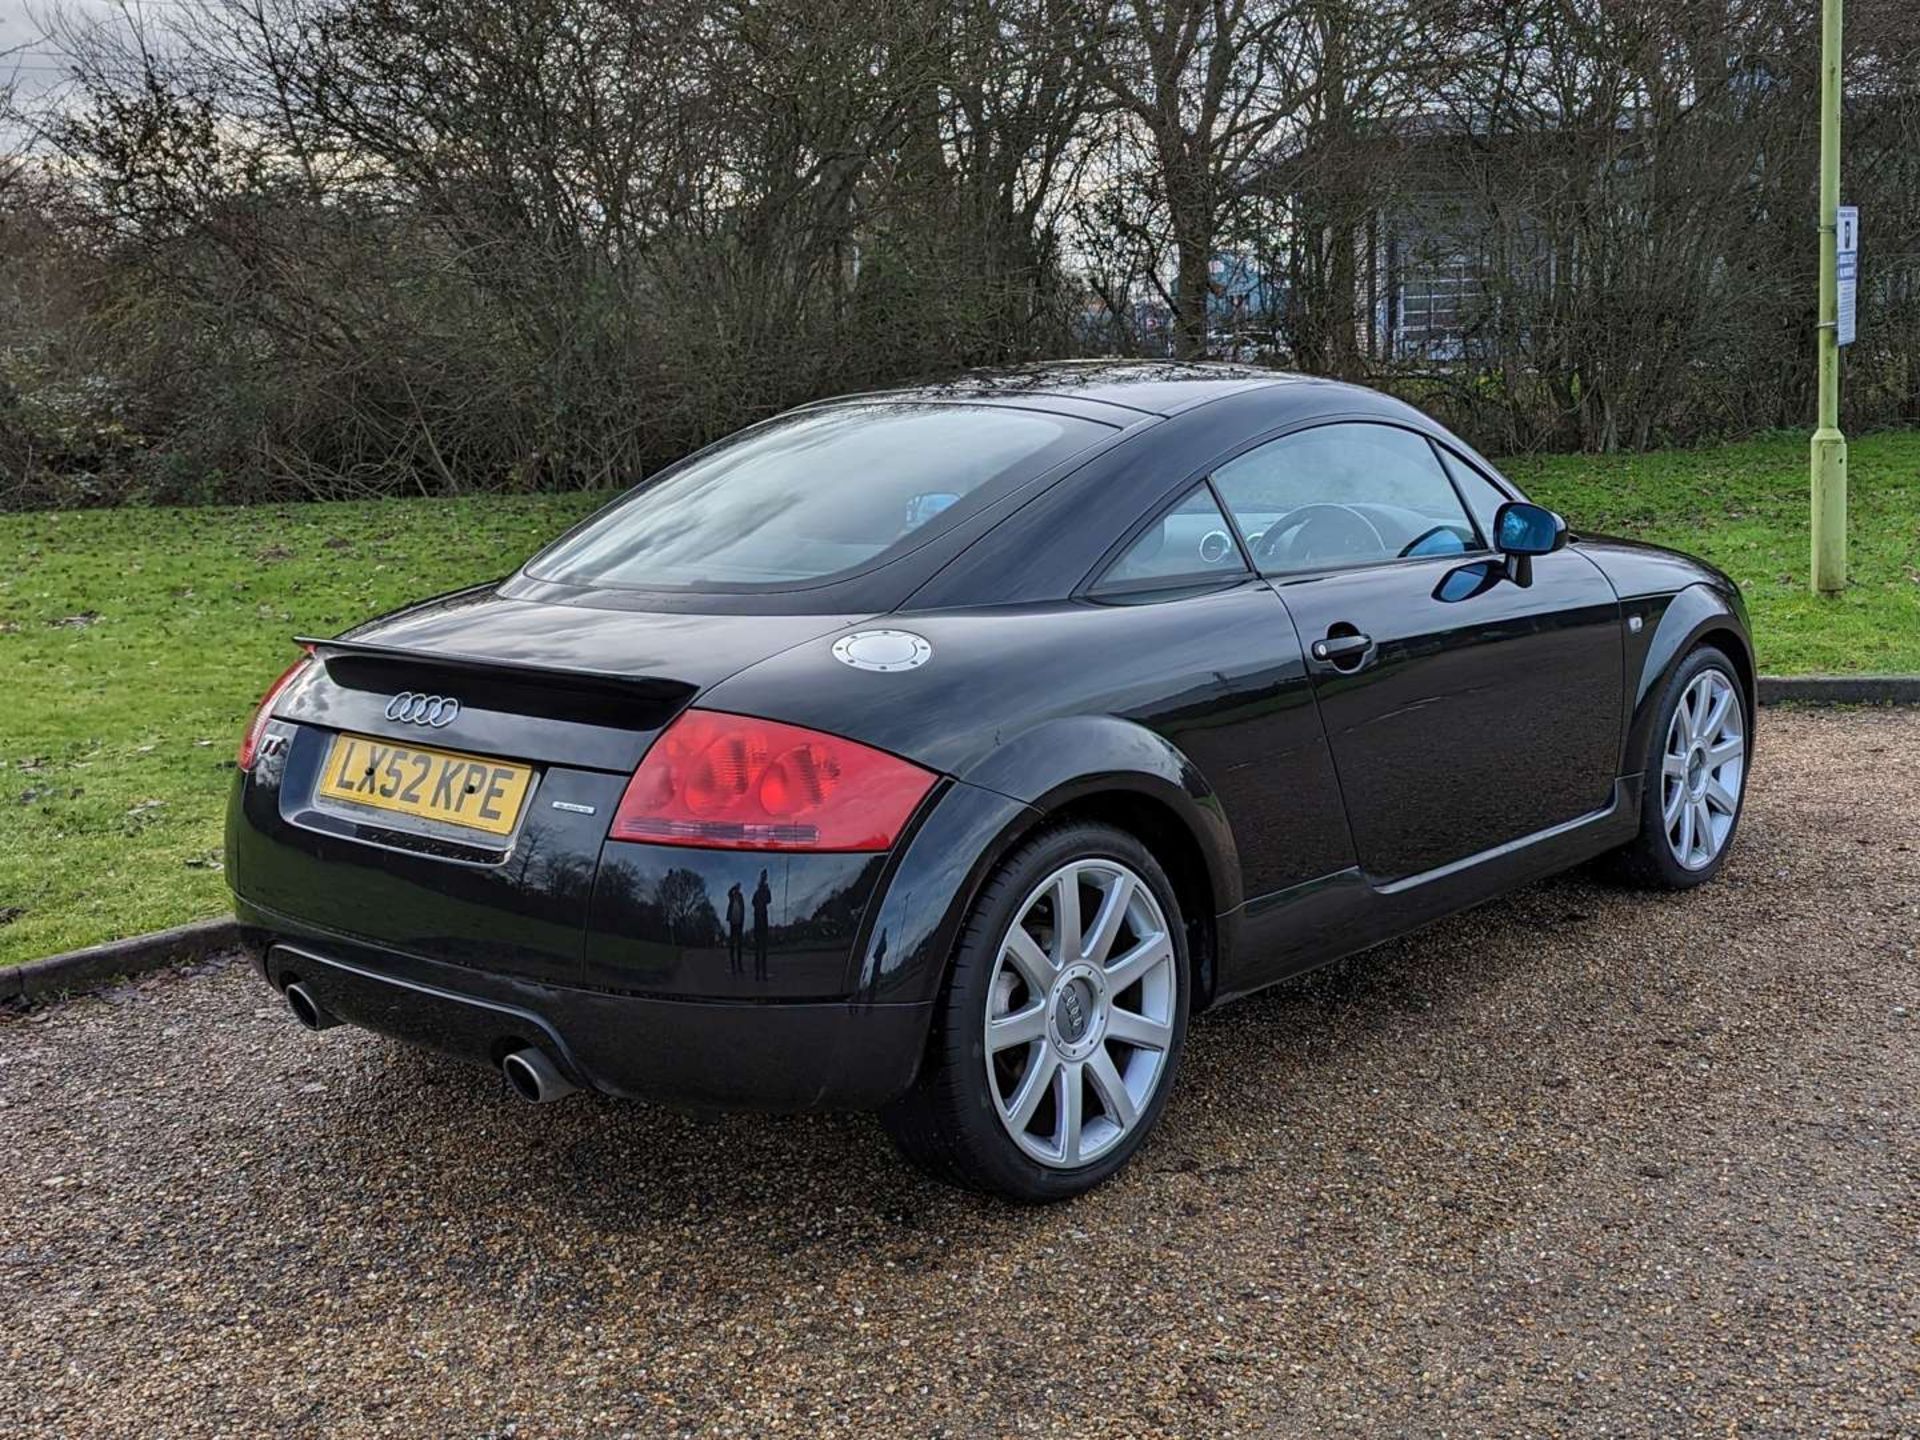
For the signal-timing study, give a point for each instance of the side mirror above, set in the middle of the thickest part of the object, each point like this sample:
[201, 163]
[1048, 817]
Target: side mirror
[1522, 531]
[1527, 530]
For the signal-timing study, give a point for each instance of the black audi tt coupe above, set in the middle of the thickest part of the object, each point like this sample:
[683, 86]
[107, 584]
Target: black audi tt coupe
[941, 751]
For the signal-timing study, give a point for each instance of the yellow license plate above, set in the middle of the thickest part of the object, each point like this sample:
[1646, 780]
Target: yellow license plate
[432, 784]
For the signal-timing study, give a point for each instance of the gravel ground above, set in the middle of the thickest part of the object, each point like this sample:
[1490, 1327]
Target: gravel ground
[1578, 1163]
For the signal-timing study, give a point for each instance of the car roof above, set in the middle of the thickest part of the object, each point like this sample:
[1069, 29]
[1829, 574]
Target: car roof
[1166, 417]
[1148, 387]
[1053, 542]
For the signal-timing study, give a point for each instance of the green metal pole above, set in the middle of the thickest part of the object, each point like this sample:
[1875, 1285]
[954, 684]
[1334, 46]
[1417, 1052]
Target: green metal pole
[1829, 445]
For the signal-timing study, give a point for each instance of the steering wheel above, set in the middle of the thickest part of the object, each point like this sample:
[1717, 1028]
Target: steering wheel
[1321, 531]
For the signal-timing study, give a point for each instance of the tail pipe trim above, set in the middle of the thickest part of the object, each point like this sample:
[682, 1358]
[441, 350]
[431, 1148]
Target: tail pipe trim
[307, 1008]
[534, 1077]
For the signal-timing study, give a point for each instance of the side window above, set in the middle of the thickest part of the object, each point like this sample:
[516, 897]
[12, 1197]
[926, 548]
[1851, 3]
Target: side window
[1483, 496]
[1347, 494]
[1190, 543]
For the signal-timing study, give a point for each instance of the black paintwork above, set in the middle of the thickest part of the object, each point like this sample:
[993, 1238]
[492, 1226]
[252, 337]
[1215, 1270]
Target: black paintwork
[1523, 683]
[796, 1056]
[659, 922]
[1496, 733]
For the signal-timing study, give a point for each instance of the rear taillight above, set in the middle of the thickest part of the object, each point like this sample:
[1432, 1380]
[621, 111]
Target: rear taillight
[250, 741]
[730, 782]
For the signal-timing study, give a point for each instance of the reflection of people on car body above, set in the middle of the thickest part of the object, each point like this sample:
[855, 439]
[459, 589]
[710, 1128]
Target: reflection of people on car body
[762, 898]
[736, 921]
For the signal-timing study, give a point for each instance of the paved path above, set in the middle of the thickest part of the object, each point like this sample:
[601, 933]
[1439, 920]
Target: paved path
[1581, 1163]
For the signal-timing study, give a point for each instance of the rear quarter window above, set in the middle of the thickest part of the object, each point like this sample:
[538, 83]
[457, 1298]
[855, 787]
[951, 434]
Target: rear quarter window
[1190, 543]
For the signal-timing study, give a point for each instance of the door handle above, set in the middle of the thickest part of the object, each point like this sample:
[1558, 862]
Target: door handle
[1344, 651]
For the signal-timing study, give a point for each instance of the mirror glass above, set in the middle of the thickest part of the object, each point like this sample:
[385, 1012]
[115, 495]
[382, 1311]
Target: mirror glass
[1523, 529]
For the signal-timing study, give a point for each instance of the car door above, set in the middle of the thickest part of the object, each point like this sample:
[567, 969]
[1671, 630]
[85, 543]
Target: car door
[1463, 708]
[1250, 723]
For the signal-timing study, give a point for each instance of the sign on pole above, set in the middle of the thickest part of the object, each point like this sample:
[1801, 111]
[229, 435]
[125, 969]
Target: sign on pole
[1846, 270]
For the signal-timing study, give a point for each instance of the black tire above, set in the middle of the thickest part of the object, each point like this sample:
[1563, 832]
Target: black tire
[1648, 859]
[948, 1125]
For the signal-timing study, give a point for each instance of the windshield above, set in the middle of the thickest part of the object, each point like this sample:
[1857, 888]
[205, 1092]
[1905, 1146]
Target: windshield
[815, 495]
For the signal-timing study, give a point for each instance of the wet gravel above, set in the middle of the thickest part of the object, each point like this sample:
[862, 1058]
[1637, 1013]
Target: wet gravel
[1582, 1162]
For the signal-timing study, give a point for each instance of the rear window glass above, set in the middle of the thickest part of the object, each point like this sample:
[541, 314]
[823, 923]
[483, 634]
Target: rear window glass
[815, 495]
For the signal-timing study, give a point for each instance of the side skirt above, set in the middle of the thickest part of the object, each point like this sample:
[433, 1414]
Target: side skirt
[1279, 936]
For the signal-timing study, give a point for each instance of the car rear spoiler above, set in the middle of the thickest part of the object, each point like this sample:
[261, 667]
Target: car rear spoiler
[594, 696]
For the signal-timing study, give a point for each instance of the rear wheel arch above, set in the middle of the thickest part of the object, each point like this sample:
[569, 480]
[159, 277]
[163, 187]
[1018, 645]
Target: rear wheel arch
[1073, 760]
[907, 944]
[1157, 825]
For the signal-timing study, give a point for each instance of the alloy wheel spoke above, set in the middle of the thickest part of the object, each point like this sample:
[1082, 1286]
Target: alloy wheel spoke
[1716, 714]
[1135, 1029]
[1135, 964]
[1020, 1027]
[1066, 919]
[1703, 828]
[1034, 1086]
[1033, 963]
[1106, 923]
[1696, 710]
[1670, 808]
[1070, 1098]
[1721, 798]
[1731, 748]
[1673, 766]
[1685, 846]
[1105, 1076]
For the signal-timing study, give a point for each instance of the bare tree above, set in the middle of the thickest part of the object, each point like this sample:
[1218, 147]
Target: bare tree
[1207, 84]
[346, 247]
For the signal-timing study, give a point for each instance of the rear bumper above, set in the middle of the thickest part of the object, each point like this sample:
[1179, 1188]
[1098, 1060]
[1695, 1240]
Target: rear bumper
[706, 978]
[773, 1055]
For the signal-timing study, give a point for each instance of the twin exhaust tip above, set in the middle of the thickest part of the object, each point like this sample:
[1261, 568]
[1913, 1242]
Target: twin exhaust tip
[534, 1077]
[307, 1008]
[530, 1072]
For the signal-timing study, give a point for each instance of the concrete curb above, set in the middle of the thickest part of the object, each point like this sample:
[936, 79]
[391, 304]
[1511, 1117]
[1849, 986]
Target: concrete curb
[1840, 689]
[91, 968]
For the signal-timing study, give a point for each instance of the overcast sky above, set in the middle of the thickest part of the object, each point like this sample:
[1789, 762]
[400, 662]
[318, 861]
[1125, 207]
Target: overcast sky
[38, 66]
[30, 65]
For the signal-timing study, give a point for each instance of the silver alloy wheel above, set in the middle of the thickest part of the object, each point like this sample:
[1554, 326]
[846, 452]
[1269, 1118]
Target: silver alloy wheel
[1702, 768]
[1080, 1016]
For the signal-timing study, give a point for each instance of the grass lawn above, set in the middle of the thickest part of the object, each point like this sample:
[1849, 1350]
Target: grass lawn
[133, 643]
[1744, 507]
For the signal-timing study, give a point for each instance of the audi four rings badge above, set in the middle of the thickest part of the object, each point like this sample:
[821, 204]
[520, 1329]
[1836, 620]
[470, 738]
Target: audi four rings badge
[439, 711]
